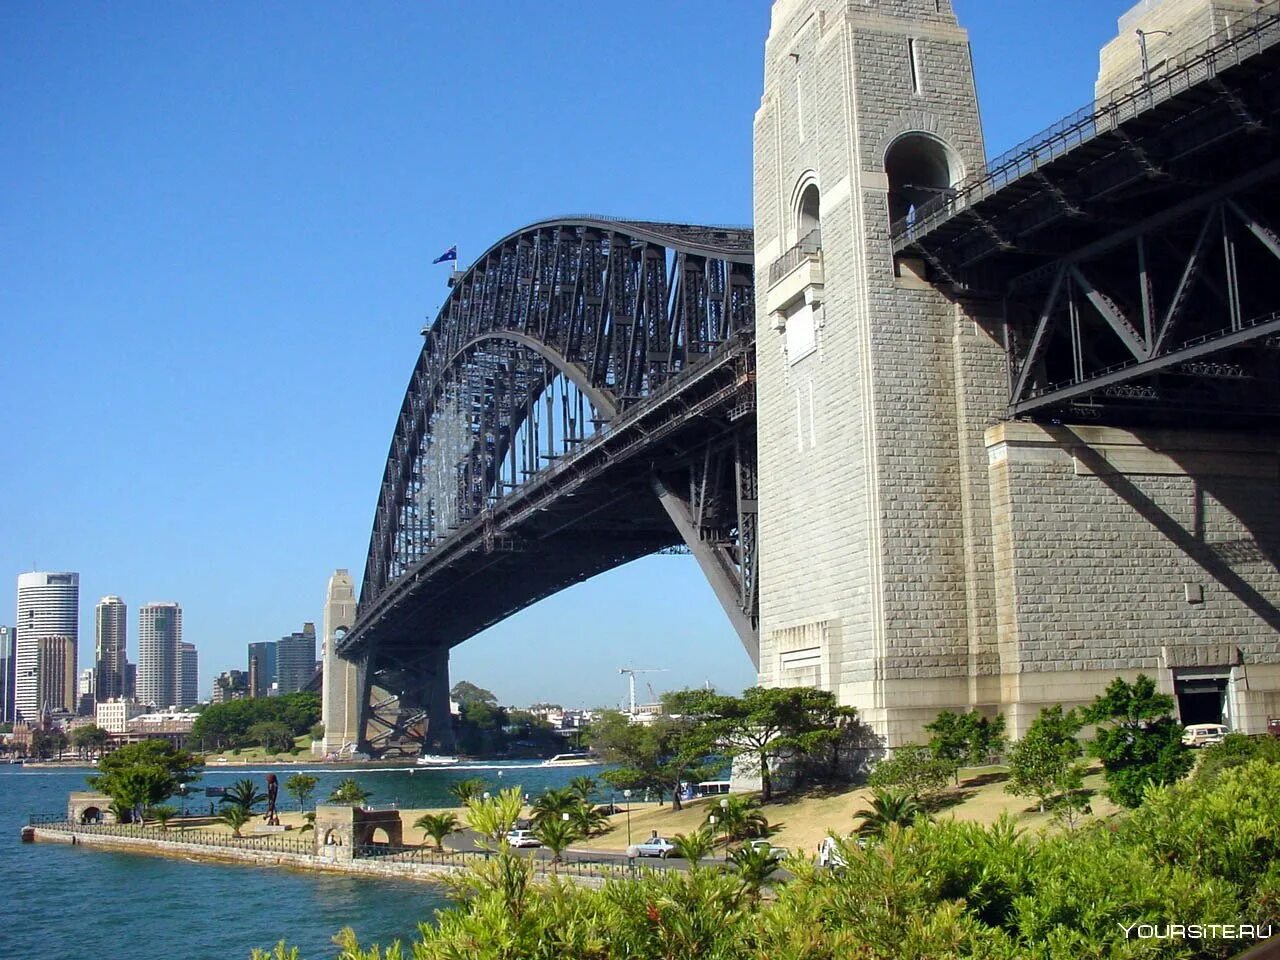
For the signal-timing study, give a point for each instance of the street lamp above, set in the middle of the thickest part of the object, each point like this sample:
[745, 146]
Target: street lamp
[1142, 47]
[712, 820]
[724, 810]
[627, 796]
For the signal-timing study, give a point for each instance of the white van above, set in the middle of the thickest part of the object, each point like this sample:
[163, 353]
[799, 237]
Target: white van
[1203, 734]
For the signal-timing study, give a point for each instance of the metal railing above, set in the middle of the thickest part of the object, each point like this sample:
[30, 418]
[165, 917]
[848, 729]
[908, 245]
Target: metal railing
[1239, 40]
[270, 843]
[808, 248]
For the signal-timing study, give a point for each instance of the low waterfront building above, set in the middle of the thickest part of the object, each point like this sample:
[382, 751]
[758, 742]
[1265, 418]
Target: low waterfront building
[171, 725]
[114, 716]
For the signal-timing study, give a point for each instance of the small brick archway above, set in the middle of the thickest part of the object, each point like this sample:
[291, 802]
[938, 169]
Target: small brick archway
[342, 830]
[89, 808]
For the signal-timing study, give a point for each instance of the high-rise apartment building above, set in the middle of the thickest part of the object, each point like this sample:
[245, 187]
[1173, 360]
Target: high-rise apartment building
[8, 665]
[109, 647]
[159, 653]
[296, 659]
[48, 606]
[55, 677]
[188, 676]
[338, 690]
[262, 668]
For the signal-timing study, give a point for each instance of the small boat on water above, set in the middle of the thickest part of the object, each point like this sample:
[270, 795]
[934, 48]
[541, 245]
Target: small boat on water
[436, 760]
[572, 760]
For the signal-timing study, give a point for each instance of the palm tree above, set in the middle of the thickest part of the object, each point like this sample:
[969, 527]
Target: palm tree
[235, 816]
[694, 846]
[438, 826]
[888, 807]
[244, 794]
[161, 815]
[464, 791]
[589, 820]
[738, 819]
[494, 817]
[754, 867]
[556, 833]
[583, 786]
[350, 792]
[553, 803]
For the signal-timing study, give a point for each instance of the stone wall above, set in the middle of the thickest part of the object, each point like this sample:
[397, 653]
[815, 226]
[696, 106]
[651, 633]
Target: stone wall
[1119, 552]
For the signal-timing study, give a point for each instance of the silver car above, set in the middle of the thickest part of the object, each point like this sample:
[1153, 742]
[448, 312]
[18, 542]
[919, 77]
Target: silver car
[653, 847]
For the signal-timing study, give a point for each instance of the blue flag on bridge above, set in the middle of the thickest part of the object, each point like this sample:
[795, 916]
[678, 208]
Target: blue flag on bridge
[450, 254]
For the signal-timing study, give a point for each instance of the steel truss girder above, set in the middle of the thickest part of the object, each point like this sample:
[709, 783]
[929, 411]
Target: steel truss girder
[1095, 331]
[552, 332]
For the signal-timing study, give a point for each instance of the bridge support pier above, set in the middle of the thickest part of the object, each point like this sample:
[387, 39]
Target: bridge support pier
[716, 565]
[404, 701]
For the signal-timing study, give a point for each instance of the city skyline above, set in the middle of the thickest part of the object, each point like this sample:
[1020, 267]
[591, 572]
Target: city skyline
[252, 243]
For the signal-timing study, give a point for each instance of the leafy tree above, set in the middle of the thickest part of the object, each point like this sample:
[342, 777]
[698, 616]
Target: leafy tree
[769, 724]
[556, 834]
[888, 807]
[1138, 742]
[466, 693]
[965, 738]
[226, 725]
[272, 735]
[350, 792]
[438, 826]
[916, 770]
[244, 794]
[235, 816]
[302, 786]
[45, 743]
[122, 811]
[695, 846]
[1043, 763]
[1236, 750]
[464, 791]
[144, 774]
[657, 756]
[90, 739]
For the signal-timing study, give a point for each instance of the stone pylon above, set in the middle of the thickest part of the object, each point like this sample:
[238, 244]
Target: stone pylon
[340, 706]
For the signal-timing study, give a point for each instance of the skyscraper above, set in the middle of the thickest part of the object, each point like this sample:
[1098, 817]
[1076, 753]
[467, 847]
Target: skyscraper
[159, 653]
[296, 659]
[188, 676]
[262, 667]
[8, 664]
[48, 606]
[339, 686]
[55, 677]
[109, 648]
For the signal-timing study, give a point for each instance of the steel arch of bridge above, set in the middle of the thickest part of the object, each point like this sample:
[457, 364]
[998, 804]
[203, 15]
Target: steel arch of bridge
[570, 346]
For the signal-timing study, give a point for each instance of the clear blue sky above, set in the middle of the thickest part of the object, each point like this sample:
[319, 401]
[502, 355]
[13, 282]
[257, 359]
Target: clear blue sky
[216, 229]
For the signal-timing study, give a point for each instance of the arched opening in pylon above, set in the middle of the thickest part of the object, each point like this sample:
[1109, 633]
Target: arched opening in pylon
[920, 168]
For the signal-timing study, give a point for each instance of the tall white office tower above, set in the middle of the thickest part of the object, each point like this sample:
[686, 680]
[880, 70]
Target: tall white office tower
[48, 606]
[339, 685]
[110, 619]
[159, 653]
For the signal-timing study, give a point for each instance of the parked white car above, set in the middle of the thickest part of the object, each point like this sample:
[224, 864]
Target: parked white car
[780, 852]
[1203, 734]
[523, 838]
[653, 847]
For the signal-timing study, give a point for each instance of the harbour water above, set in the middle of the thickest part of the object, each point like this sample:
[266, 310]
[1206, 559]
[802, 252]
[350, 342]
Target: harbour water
[77, 903]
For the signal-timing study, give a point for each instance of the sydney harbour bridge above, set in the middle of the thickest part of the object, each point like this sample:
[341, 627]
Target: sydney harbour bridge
[586, 395]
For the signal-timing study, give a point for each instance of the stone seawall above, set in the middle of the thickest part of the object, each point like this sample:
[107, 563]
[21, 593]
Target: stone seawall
[393, 869]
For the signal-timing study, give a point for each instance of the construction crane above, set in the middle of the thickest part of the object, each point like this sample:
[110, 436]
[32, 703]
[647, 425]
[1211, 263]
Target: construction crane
[631, 681]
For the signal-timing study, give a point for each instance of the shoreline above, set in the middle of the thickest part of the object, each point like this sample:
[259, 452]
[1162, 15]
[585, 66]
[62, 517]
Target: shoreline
[301, 862]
